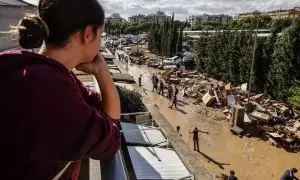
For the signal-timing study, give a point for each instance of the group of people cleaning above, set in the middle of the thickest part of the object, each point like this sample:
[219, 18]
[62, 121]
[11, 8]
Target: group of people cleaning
[159, 86]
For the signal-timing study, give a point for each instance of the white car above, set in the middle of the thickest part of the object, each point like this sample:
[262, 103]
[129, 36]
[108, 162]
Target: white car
[173, 58]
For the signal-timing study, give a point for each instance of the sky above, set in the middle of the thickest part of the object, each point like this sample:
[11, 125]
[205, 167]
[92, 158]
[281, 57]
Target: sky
[184, 8]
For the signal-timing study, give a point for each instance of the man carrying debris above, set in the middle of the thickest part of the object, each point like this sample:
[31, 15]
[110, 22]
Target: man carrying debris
[170, 92]
[161, 88]
[289, 175]
[196, 138]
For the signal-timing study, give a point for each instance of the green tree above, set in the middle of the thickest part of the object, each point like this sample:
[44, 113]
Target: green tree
[284, 68]
[202, 52]
[234, 55]
[268, 50]
[179, 41]
[131, 101]
[294, 92]
[277, 25]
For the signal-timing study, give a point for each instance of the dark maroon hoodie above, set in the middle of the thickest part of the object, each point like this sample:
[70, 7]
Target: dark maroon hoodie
[48, 118]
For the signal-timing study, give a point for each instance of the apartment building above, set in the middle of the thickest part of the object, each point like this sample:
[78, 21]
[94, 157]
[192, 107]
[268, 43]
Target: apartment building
[206, 17]
[159, 15]
[277, 14]
[115, 18]
[140, 18]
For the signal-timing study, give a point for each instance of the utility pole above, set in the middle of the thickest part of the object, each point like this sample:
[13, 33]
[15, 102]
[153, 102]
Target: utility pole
[253, 61]
[137, 42]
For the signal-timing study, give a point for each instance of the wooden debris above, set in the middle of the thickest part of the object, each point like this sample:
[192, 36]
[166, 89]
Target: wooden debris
[260, 116]
[257, 98]
[244, 87]
[207, 99]
[237, 118]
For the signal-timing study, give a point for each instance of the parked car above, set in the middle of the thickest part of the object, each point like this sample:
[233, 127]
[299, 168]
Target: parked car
[168, 64]
[189, 63]
[173, 58]
[152, 62]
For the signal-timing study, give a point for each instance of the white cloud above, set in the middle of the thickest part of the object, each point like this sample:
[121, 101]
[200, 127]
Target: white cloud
[185, 8]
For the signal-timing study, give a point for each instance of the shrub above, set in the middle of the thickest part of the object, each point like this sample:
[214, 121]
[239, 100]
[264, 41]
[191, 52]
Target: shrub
[131, 101]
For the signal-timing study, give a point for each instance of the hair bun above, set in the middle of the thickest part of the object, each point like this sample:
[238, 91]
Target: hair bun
[31, 32]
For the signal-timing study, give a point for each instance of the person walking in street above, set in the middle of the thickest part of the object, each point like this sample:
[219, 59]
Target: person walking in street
[122, 58]
[176, 90]
[154, 82]
[170, 92]
[290, 175]
[232, 176]
[178, 130]
[174, 101]
[184, 93]
[196, 138]
[161, 88]
[140, 80]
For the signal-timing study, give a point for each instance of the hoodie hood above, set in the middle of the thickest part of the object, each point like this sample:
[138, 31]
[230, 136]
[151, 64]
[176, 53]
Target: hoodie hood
[14, 60]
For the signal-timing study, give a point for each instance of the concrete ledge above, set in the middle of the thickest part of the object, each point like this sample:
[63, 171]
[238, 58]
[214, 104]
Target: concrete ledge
[190, 157]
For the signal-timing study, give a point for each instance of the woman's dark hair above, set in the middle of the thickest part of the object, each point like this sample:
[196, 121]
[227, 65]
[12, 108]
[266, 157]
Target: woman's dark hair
[57, 21]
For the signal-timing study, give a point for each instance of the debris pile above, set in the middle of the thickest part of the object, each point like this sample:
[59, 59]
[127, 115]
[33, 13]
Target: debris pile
[261, 117]
[138, 57]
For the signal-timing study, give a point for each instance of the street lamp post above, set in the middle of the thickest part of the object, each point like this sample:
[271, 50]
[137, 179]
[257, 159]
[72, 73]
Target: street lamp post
[252, 64]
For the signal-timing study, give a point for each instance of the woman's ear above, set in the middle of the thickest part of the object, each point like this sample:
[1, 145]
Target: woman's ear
[86, 36]
[89, 33]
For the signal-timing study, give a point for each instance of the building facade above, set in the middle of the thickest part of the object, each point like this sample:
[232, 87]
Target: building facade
[140, 18]
[277, 14]
[115, 18]
[160, 16]
[206, 17]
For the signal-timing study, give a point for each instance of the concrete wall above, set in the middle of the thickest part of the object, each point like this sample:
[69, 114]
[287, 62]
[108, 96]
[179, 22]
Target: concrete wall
[10, 15]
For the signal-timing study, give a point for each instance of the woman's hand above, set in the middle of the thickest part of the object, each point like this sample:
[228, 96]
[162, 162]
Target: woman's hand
[93, 67]
[110, 97]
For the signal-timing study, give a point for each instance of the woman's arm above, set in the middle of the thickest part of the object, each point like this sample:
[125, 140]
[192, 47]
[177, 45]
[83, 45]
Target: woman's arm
[66, 126]
[110, 96]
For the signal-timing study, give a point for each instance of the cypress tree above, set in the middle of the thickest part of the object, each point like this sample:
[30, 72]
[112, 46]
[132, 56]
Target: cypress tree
[201, 48]
[180, 37]
[172, 38]
[294, 99]
[234, 55]
[284, 68]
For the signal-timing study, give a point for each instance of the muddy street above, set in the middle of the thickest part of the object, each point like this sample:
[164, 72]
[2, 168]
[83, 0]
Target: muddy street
[221, 151]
